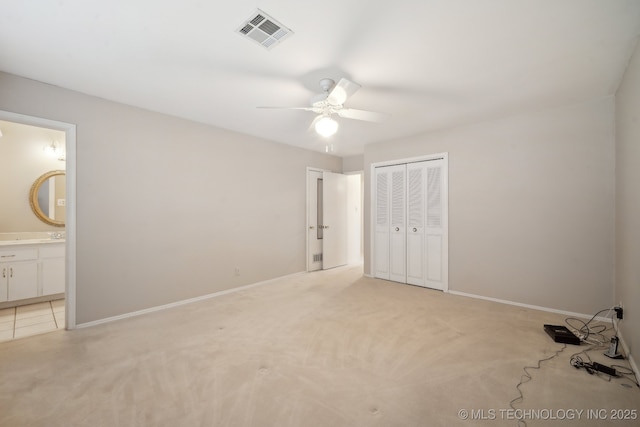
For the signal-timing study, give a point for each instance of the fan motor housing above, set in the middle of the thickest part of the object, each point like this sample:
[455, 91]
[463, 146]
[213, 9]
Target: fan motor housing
[327, 84]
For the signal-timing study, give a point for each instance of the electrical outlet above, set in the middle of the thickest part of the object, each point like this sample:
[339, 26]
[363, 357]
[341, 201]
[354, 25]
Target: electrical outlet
[619, 311]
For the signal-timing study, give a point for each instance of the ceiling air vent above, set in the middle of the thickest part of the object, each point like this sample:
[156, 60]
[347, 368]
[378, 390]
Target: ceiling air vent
[263, 29]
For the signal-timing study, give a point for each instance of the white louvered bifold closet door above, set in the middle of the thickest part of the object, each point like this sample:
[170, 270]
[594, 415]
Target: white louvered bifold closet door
[416, 206]
[382, 220]
[390, 222]
[410, 242]
[398, 229]
[436, 226]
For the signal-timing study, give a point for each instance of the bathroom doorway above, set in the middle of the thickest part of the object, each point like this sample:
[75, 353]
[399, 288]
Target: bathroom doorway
[334, 206]
[68, 304]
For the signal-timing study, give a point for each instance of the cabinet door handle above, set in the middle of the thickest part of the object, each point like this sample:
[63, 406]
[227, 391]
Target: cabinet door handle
[4, 272]
[7, 256]
[10, 271]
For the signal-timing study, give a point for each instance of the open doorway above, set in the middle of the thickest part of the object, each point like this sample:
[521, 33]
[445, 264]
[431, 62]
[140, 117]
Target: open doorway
[51, 264]
[334, 219]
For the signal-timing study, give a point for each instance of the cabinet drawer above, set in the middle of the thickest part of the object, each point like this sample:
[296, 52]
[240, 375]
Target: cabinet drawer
[52, 251]
[18, 254]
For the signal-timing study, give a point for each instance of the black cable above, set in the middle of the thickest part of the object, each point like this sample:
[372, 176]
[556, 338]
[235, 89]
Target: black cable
[585, 330]
[575, 360]
[526, 377]
[626, 373]
[621, 371]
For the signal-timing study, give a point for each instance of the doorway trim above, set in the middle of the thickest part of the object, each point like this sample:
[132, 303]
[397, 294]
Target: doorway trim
[372, 206]
[70, 224]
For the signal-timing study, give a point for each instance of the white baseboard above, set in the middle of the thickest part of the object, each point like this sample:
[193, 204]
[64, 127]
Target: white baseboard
[535, 307]
[183, 302]
[625, 350]
[632, 362]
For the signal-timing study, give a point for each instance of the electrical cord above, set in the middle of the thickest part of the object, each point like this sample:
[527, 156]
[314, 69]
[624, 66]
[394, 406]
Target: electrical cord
[593, 368]
[577, 362]
[627, 373]
[585, 330]
[526, 377]
[589, 335]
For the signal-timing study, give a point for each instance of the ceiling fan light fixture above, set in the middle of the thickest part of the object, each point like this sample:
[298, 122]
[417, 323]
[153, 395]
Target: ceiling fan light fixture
[326, 126]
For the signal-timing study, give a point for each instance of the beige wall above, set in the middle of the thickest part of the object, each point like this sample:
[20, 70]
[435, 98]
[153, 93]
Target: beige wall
[60, 194]
[531, 205]
[167, 209]
[353, 163]
[627, 289]
[22, 161]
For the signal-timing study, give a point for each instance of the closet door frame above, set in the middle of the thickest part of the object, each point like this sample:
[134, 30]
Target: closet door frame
[445, 209]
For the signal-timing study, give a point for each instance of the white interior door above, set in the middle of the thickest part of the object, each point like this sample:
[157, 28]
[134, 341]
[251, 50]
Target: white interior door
[390, 223]
[436, 239]
[416, 206]
[334, 221]
[381, 237]
[410, 220]
[314, 220]
[398, 229]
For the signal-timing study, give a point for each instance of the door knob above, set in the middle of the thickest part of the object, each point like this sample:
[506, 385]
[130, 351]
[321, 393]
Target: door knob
[415, 229]
[311, 227]
[397, 228]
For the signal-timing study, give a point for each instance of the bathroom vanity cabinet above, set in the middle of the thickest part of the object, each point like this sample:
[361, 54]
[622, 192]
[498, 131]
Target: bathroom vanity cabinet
[31, 270]
[52, 269]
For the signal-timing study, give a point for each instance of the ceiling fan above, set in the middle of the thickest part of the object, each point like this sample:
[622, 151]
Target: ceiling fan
[331, 101]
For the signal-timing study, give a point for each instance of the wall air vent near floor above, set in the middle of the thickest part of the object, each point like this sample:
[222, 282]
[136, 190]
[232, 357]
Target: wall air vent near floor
[263, 29]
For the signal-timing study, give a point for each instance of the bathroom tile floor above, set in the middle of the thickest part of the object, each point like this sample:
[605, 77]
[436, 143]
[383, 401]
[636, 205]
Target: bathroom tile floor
[32, 319]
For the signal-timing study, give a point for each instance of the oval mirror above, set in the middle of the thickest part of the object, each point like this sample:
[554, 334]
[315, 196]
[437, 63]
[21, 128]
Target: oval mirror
[48, 198]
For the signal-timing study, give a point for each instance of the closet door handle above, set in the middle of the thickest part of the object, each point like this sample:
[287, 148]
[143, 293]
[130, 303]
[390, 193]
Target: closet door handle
[397, 228]
[415, 229]
[4, 272]
[10, 271]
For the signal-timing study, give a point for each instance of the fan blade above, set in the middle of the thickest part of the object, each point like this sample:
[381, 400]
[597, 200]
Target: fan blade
[290, 108]
[343, 90]
[313, 109]
[369, 116]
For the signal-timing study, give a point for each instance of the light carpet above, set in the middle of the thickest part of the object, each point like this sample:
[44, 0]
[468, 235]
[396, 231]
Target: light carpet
[325, 349]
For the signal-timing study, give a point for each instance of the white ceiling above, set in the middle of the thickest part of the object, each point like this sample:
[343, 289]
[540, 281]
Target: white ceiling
[431, 64]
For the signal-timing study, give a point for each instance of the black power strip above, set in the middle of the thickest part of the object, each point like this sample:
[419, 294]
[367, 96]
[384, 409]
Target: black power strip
[603, 368]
